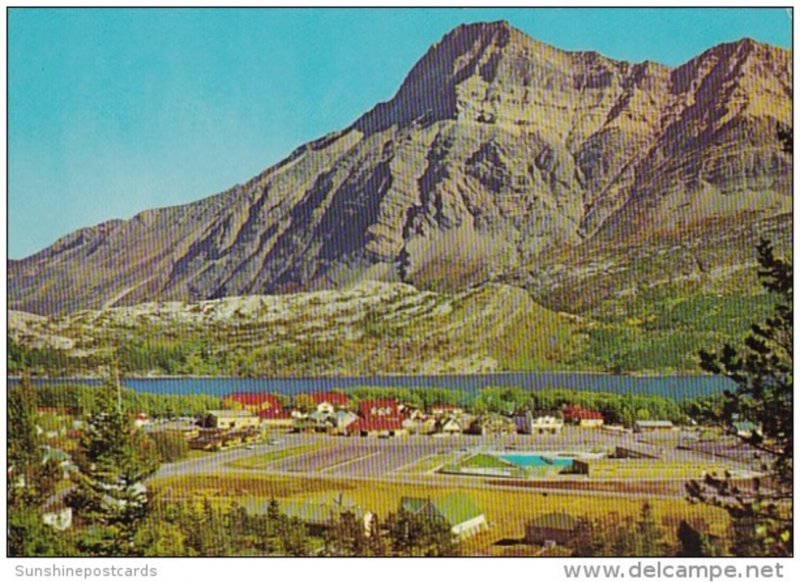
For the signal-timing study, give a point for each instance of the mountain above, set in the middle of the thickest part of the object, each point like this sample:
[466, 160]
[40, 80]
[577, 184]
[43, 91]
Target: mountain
[500, 158]
[387, 328]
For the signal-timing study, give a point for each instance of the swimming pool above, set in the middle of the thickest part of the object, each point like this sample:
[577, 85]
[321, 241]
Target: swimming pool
[533, 460]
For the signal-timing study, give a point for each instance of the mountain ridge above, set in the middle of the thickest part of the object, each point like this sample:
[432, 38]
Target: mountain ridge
[495, 149]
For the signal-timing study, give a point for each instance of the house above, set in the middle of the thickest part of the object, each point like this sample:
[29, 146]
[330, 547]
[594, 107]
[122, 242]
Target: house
[491, 424]
[745, 429]
[555, 527]
[448, 425]
[583, 417]
[378, 418]
[315, 422]
[377, 426]
[231, 419]
[251, 401]
[341, 419]
[524, 422]
[329, 402]
[275, 418]
[379, 408]
[546, 424]
[457, 510]
[186, 430]
[412, 413]
[446, 410]
[319, 512]
[141, 419]
[652, 426]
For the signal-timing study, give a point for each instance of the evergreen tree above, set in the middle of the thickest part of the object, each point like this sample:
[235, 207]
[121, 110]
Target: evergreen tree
[420, 534]
[113, 458]
[694, 543]
[587, 538]
[763, 372]
[649, 536]
[376, 542]
[31, 480]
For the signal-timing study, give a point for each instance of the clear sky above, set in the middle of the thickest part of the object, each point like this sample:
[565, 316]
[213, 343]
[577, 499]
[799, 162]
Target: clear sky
[114, 111]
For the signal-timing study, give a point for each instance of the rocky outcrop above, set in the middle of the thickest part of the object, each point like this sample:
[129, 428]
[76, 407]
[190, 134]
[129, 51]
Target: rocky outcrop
[496, 151]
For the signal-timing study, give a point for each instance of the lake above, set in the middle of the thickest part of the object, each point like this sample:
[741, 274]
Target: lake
[678, 387]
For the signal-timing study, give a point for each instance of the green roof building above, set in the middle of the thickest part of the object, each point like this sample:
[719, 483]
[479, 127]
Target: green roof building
[457, 509]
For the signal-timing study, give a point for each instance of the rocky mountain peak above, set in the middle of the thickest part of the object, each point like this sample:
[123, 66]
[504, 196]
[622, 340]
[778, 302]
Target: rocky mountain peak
[497, 153]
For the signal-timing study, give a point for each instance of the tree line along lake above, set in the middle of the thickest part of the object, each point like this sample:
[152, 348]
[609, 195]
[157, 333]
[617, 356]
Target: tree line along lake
[675, 387]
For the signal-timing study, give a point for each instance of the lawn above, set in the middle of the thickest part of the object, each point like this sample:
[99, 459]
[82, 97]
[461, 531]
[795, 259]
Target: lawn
[506, 511]
[484, 461]
[431, 462]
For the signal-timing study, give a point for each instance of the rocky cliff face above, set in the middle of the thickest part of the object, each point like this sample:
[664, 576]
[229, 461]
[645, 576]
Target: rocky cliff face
[496, 153]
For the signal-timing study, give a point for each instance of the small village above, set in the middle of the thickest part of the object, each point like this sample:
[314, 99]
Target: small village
[247, 415]
[447, 444]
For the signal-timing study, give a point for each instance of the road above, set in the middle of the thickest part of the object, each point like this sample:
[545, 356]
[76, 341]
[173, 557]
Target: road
[394, 461]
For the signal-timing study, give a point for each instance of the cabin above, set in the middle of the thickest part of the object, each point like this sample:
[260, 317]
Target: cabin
[457, 509]
[557, 527]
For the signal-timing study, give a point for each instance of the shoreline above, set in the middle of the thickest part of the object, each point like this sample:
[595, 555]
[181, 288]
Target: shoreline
[638, 375]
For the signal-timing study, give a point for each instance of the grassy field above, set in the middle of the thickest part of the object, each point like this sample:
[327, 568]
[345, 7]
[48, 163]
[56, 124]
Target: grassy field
[506, 511]
[483, 461]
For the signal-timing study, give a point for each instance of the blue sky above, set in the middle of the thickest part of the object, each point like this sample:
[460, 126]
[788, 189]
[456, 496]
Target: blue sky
[114, 111]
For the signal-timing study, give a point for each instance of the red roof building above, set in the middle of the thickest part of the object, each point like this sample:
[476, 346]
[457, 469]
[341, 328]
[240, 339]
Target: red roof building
[379, 409]
[254, 402]
[576, 414]
[274, 414]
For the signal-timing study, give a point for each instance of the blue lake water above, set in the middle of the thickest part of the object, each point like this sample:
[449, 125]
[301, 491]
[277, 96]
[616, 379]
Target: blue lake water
[523, 460]
[677, 387]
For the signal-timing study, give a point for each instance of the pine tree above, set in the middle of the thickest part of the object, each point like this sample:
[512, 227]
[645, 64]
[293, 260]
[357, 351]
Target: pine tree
[649, 535]
[763, 372]
[31, 480]
[113, 458]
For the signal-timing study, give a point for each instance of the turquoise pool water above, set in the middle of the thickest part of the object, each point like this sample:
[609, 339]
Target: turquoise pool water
[522, 460]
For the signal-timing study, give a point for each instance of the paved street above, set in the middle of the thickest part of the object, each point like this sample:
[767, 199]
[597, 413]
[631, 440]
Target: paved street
[413, 459]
